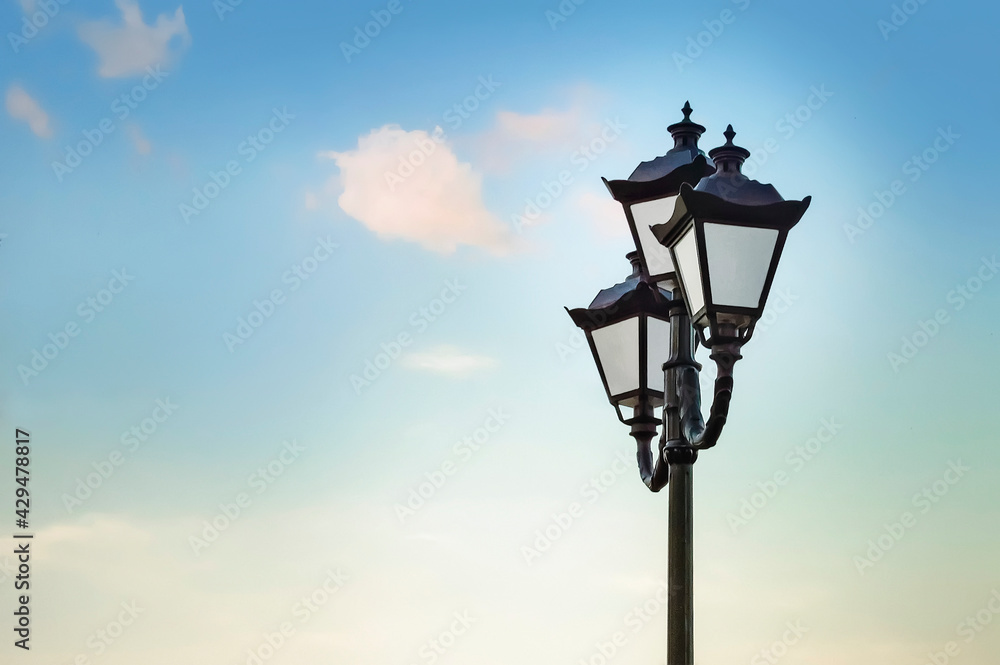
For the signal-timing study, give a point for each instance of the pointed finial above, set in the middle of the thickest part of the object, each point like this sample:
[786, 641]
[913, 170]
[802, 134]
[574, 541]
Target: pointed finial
[685, 133]
[729, 157]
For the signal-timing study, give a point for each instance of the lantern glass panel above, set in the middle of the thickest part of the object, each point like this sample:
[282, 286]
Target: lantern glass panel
[618, 350]
[739, 258]
[645, 214]
[686, 251]
[657, 351]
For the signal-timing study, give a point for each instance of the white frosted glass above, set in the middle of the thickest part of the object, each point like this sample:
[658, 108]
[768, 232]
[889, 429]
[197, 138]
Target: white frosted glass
[738, 261]
[657, 211]
[618, 349]
[690, 269]
[657, 351]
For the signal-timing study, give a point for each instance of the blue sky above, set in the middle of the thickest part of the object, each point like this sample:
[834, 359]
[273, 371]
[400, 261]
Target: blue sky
[288, 133]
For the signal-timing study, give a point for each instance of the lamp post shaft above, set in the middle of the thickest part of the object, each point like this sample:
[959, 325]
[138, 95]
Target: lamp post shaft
[680, 459]
[680, 561]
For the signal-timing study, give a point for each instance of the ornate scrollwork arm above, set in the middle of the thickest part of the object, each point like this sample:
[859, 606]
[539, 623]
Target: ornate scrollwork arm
[698, 433]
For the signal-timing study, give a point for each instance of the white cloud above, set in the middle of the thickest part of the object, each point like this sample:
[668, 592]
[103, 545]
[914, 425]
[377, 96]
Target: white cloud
[545, 127]
[129, 48]
[604, 213]
[139, 140]
[410, 185]
[448, 360]
[21, 106]
[516, 136]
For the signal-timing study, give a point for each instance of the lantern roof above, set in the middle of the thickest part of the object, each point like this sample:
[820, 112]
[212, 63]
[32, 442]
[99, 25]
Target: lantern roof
[685, 134]
[685, 162]
[728, 181]
[629, 298]
[781, 215]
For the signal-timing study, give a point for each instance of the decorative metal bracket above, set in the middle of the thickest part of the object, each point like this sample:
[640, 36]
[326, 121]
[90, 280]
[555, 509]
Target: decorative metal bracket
[652, 470]
[696, 432]
[685, 431]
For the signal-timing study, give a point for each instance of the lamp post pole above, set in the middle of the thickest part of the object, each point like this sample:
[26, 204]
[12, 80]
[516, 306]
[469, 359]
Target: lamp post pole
[680, 558]
[680, 459]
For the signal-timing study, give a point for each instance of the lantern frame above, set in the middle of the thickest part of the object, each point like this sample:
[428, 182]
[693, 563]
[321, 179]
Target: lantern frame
[659, 179]
[632, 299]
[726, 198]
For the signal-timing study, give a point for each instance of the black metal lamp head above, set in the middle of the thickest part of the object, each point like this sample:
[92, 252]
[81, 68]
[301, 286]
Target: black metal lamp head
[726, 236]
[628, 330]
[649, 193]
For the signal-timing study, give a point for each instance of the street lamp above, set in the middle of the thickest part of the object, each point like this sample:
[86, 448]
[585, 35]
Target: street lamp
[722, 235]
[628, 330]
[725, 236]
[649, 194]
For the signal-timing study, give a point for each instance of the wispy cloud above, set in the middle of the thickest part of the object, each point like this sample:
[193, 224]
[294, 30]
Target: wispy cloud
[128, 48]
[410, 185]
[604, 213]
[22, 106]
[448, 360]
[139, 140]
[516, 136]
